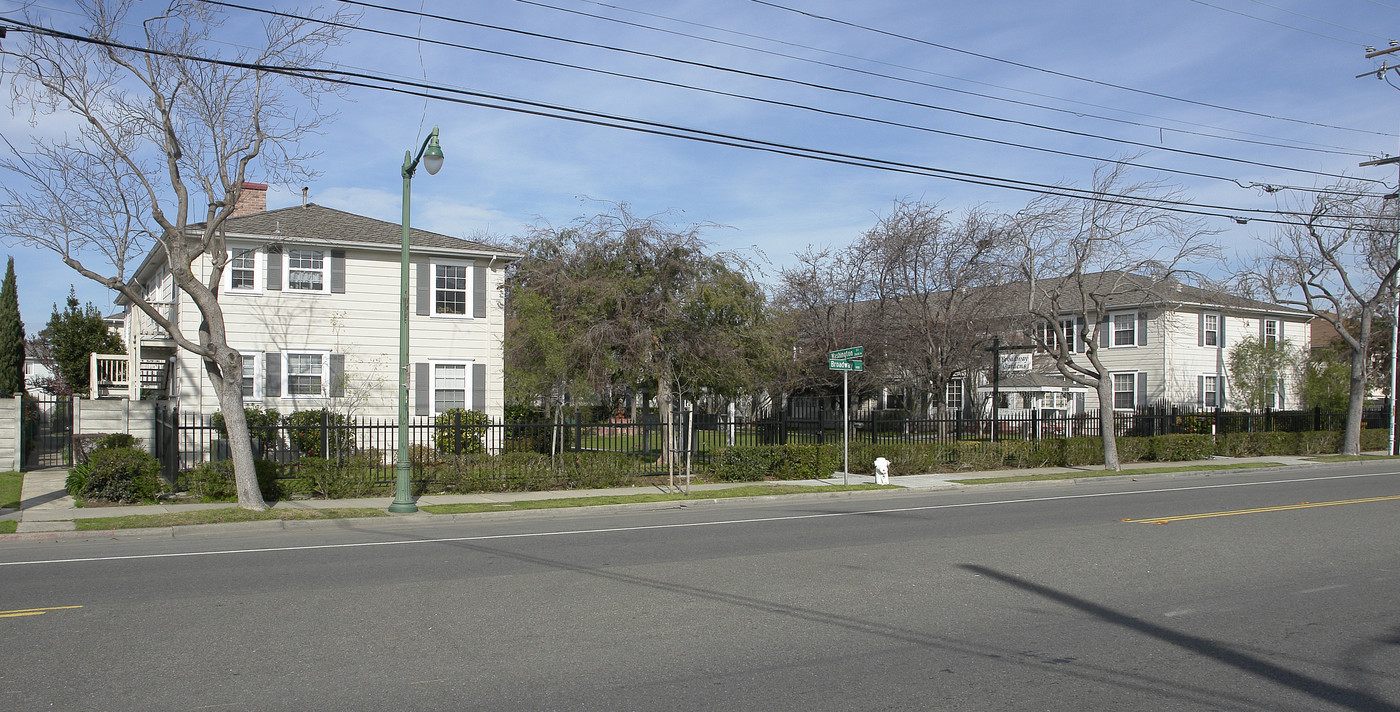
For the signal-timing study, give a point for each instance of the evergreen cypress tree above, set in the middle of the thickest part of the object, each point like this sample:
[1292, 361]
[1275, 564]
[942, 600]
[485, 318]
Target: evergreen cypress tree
[11, 336]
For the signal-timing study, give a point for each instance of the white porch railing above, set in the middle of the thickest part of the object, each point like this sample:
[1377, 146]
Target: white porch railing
[145, 327]
[109, 372]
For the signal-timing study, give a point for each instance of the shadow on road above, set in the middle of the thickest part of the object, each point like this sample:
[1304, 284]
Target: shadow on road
[1354, 699]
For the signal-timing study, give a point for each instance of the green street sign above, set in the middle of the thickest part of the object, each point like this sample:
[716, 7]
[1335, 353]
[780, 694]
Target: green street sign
[854, 353]
[845, 365]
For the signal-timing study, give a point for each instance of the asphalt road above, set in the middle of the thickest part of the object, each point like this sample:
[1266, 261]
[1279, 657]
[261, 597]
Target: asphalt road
[1033, 597]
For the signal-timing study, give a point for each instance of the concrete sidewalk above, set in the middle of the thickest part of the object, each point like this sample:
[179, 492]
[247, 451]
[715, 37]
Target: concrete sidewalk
[45, 505]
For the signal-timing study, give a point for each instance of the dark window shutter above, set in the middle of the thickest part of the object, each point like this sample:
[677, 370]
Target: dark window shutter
[1201, 391]
[422, 381]
[1201, 330]
[1280, 331]
[425, 289]
[479, 387]
[1104, 332]
[479, 291]
[1141, 390]
[272, 375]
[337, 271]
[1220, 338]
[1079, 403]
[274, 269]
[1079, 334]
[1142, 329]
[337, 389]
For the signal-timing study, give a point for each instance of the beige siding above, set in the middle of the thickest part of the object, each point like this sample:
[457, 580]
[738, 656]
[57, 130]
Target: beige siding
[362, 324]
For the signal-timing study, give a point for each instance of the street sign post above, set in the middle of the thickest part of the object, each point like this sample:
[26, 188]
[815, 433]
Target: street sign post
[845, 361]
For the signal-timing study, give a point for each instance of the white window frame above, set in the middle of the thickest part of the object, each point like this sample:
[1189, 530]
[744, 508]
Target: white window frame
[433, 389]
[1132, 377]
[287, 373]
[1210, 396]
[259, 270]
[1207, 332]
[287, 268]
[470, 289]
[1271, 339]
[1072, 339]
[953, 390]
[1113, 330]
[253, 366]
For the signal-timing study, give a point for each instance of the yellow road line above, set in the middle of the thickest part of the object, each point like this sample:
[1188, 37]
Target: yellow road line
[1232, 512]
[33, 611]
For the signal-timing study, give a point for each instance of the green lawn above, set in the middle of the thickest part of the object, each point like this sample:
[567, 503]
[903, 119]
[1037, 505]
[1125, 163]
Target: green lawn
[219, 516]
[1081, 474]
[8, 527]
[9, 489]
[737, 491]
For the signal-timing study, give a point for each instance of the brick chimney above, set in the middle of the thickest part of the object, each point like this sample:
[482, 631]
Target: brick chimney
[252, 198]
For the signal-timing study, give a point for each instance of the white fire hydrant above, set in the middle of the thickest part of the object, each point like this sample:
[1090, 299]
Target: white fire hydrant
[882, 471]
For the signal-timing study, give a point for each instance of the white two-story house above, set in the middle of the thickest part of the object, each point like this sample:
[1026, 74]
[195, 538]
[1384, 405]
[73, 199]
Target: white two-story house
[311, 300]
[1162, 343]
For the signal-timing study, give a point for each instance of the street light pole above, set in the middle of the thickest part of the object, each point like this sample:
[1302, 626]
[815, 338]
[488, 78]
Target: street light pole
[1395, 297]
[430, 153]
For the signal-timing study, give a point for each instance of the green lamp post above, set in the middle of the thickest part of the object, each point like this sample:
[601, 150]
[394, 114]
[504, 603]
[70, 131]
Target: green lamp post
[430, 153]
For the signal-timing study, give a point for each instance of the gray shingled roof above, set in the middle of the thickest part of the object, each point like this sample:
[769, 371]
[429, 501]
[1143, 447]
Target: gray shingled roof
[318, 223]
[1123, 290]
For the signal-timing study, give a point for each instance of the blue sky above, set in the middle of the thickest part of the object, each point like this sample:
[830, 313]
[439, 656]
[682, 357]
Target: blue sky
[1240, 79]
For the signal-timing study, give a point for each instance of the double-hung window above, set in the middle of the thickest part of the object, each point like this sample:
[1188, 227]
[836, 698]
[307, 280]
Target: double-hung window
[1125, 329]
[252, 375]
[304, 374]
[1210, 391]
[1270, 331]
[451, 289]
[307, 270]
[449, 386]
[1124, 391]
[1210, 330]
[953, 394]
[245, 269]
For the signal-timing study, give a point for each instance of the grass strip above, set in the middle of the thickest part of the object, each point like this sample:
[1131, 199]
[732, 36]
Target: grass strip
[8, 527]
[9, 489]
[219, 516]
[1110, 473]
[730, 492]
[1352, 458]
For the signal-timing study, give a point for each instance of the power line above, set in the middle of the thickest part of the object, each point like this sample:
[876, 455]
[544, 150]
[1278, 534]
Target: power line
[1291, 27]
[1063, 75]
[545, 110]
[1296, 145]
[776, 102]
[786, 80]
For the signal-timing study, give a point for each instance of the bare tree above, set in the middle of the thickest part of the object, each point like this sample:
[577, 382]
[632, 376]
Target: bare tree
[1338, 263]
[156, 117]
[1080, 257]
[931, 302]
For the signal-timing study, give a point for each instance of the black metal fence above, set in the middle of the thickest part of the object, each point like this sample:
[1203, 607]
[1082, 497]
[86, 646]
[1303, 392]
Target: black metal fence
[627, 449]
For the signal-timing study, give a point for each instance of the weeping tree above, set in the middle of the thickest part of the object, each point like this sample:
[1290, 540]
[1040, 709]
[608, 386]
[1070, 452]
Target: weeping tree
[163, 123]
[616, 300]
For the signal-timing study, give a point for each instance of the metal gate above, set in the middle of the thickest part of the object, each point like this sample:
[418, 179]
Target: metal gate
[48, 432]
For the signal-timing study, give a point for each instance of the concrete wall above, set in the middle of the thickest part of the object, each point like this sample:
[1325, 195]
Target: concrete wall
[118, 415]
[11, 434]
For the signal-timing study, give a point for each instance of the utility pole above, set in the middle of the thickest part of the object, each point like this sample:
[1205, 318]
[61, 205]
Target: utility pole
[1379, 73]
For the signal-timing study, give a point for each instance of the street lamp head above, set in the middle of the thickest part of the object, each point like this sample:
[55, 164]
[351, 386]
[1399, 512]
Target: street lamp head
[432, 157]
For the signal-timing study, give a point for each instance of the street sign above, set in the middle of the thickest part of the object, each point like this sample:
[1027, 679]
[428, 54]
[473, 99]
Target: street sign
[837, 364]
[854, 353]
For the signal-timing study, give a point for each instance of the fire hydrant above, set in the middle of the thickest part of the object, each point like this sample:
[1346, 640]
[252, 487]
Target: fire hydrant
[882, 471]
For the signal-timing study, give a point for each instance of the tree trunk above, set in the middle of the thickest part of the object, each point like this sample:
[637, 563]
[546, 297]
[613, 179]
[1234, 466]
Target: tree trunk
[228, 385]
[1106, 430]
[1351, 437]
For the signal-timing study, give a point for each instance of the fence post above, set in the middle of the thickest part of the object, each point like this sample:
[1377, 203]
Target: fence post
[821, 421]
[1268, 420]
[1317, 418]
[1035, 423]
[782, 425]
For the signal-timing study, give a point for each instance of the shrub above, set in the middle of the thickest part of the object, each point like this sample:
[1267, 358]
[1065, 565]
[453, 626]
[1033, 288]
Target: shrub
[743, 463]
[1180, 448]
[112, 441]
[215, 481]
[349, 477]
[262, 426]
[122, 475]
[459, 431]
[77, 478]
[1134, 449]
[320, 433]
[1083, 451]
